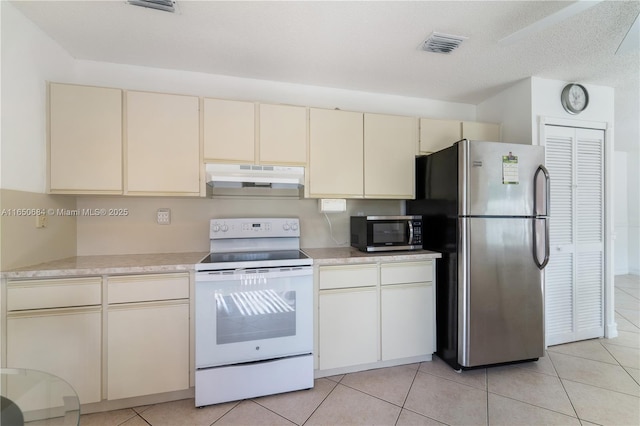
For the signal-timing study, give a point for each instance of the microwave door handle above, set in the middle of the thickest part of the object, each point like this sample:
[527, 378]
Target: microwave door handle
[410, 231]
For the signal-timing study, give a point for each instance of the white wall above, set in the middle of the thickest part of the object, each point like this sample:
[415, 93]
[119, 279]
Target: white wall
[29, 58]
[209, 85]
[545, 102]
[512, 108]
[621, 216]
[627, 140]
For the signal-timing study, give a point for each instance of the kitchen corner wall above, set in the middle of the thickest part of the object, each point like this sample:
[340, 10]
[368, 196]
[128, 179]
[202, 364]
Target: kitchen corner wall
[138, 231]
[22, 243]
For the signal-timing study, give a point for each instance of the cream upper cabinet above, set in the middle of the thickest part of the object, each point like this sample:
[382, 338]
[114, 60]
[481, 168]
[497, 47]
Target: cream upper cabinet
[162, 154]
[85, 140]
[283, 134]
[389, 156]
[336, 154]
[438, 134]
[229, 131]
[481, 131]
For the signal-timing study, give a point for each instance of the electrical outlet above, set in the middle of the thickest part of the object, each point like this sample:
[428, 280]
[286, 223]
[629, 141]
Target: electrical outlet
[164, 216]
[41, 221]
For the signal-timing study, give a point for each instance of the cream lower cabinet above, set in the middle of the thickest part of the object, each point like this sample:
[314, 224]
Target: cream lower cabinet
[55, 325]
[147, 335]
[347, 315]
[407, 309]
[375, 313]
[348, 328]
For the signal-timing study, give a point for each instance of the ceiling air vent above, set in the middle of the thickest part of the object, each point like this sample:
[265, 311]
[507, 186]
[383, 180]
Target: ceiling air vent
[442, 43]
[166, 5]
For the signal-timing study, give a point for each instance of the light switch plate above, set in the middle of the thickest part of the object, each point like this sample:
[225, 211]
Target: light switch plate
[164, 216]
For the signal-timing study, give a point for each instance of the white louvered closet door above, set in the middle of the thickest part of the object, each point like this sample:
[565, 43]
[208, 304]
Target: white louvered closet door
[574, 283]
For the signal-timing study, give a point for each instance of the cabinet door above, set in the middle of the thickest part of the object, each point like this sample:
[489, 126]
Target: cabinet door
[148, 349]
[348, 327]
[407, 312]
[336, 154]
[389, 156]
[85, 140]
[229, 131]
[481, 131]
[63, 342]
[438, 134]
[283, 135]
[163, 144]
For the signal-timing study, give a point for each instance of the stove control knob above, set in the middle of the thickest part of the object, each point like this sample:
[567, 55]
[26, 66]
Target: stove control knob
[216, 228]
[285, 226]
[225, 228]
[294, 227]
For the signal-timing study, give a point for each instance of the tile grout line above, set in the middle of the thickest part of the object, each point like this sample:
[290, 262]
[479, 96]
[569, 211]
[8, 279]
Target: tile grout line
[565, 389]
[323, 399]
[592, 385]
[537, 406]
[486, 386]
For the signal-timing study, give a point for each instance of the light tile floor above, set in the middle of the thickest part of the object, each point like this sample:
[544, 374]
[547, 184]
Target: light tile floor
[581, 383]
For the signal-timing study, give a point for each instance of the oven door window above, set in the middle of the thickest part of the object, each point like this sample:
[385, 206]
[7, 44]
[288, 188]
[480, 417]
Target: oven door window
[249, 316]
[254, 312]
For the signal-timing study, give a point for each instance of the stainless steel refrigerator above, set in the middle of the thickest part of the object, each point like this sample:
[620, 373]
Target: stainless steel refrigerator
[485, 208]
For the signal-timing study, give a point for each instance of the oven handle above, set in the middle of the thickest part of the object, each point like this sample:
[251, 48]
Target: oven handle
[237, 274]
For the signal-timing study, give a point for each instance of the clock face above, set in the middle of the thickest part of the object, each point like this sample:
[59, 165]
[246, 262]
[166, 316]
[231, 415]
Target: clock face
[574, 98]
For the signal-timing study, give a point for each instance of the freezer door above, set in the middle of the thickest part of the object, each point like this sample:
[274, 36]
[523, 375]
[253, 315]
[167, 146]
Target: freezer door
[498, 178]
[500, 302]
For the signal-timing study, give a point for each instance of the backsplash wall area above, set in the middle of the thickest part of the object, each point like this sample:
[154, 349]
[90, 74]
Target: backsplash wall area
[137, 230]
[22, 243]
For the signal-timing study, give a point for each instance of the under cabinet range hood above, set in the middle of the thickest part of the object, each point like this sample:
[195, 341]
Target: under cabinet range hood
[254, 180]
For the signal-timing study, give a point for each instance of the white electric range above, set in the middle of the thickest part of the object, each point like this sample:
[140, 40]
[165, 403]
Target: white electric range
[254, 311]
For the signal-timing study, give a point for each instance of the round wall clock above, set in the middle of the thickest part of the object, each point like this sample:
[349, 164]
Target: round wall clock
[575, 98]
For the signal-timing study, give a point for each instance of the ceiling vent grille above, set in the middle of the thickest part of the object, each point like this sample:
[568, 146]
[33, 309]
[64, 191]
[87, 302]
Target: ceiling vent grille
[166, 5]
[442, 43]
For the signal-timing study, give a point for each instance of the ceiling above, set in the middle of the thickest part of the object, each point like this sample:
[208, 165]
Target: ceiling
[369, 46]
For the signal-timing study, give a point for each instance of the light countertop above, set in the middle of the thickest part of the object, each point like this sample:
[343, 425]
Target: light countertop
[350, 255]
[180, 262]
[110, 264]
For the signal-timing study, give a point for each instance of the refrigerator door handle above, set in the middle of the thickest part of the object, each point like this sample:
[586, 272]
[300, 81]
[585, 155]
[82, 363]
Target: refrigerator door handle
[541, 265]
[547, 190]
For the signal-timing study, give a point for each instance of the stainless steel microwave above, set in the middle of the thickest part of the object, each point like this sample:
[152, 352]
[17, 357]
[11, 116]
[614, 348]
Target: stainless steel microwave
[386, 233]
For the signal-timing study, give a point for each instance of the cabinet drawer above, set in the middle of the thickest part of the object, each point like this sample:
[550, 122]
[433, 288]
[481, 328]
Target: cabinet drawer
[53, 293]
[406, 272]
[348, 276]
[145, 288]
